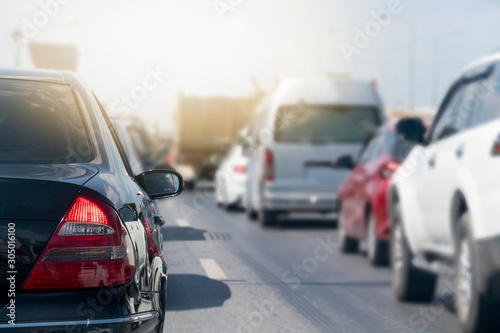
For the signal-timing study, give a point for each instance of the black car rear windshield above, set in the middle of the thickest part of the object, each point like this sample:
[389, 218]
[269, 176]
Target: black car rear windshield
[39, 124]
[325, 124]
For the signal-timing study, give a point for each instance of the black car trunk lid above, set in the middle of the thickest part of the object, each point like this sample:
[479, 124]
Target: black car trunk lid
[33, 200]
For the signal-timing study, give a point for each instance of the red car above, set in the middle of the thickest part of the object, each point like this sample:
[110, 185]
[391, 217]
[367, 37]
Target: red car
[363, 214]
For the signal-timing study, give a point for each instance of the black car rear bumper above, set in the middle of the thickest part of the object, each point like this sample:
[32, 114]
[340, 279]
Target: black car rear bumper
[140, 322]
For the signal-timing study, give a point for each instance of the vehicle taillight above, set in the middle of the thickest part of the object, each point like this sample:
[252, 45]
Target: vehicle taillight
[268, 165]
[170, 159]
[388, 169]
[90, 248]
[239, 168]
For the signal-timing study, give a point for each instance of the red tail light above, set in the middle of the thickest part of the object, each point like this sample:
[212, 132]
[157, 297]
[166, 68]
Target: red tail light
[388, 169]
[239, 168]
[90, 248]
[268, 165]
[170, 159]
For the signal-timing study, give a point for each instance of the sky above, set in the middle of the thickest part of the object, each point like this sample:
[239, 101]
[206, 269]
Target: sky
[226, 47]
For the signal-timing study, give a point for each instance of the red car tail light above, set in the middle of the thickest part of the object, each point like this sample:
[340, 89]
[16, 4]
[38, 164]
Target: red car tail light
[388, 169]
[239, 168]
[268, 165]
[90, 248]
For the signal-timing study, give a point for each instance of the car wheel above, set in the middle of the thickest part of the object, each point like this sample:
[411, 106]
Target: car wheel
[346, 243]
[409, 283]
[267, 218]
[249, 211]
[475, 313]
[163, 306]
[251, 214]
[376, 249]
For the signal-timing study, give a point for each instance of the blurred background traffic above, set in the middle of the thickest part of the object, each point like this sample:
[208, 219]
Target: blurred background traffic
[169, 62]
[282, 109]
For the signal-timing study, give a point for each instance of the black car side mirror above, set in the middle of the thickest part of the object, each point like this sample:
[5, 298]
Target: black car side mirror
[161, 183]
[411, 129]
[344, 162]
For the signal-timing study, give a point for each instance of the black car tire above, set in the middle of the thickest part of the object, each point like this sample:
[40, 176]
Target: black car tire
[409, 283]
[481, 315]
[251, 214]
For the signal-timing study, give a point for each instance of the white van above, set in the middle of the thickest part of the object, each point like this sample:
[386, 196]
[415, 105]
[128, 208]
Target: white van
[298, 130]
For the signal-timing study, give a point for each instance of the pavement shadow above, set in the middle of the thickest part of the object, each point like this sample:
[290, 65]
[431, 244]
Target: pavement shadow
[294, 223]
[189, 292]
[182, 234]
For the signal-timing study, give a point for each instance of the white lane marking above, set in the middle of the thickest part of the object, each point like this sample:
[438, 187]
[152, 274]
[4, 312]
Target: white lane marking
[212, 269]
[182, 223]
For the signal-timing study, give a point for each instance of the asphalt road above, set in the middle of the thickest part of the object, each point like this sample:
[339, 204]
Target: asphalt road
[227, 274]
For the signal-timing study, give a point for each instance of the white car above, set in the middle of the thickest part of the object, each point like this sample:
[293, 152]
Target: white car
[297, 131]
[230, 178]
[445, 202]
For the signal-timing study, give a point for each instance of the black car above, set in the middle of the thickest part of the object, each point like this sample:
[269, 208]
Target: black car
[77, 252]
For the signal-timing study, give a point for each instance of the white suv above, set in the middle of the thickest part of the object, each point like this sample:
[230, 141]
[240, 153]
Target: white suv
[445, 202]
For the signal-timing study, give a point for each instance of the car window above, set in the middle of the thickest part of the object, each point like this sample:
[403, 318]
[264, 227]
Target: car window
[40, 123]
[368, 152]
[476, 94]
[128, 146]
[381, 147]
[325, 124]
[488, 92]
[450, 116]
[116, 139]
[398, 147]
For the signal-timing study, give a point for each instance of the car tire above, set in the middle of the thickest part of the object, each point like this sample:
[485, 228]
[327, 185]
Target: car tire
[267, 218]
[475, 312]
[377, 251]
[163, 305]
[346, 244]
[251, 214]
[409, 283]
